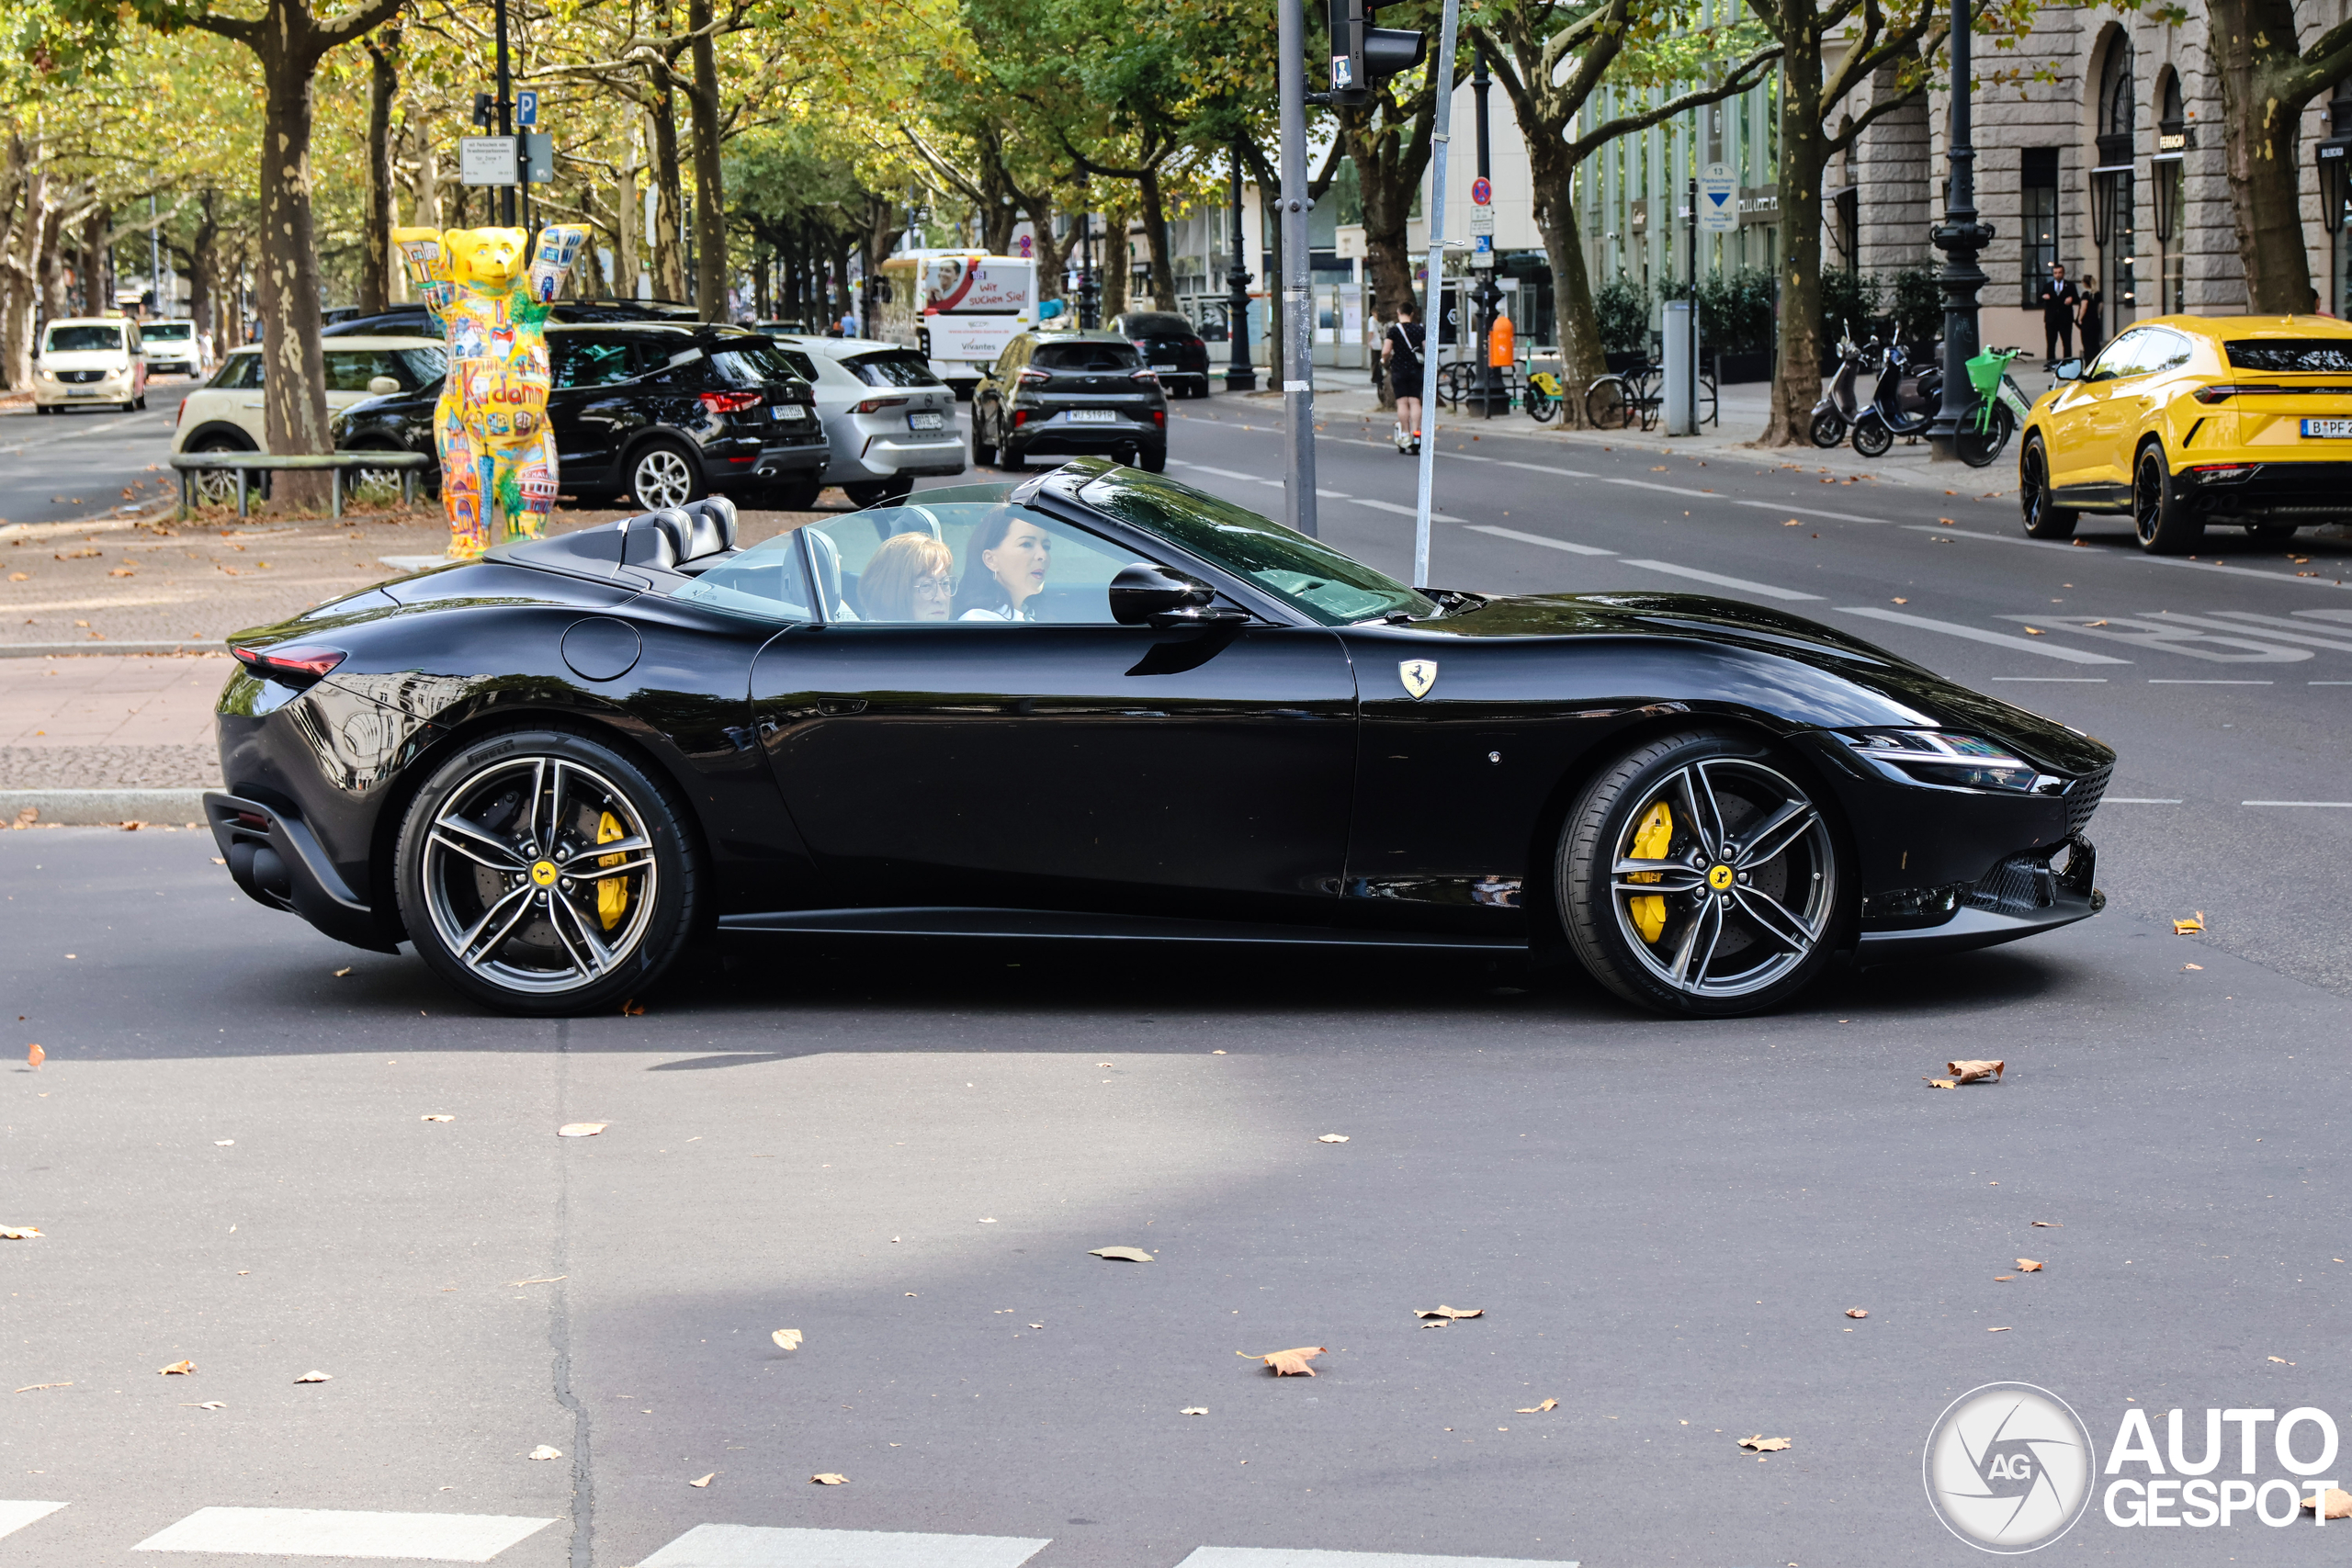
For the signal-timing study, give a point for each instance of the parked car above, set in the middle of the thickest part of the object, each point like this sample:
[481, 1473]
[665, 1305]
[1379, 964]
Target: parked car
[171, 347]
[888, 420]
[662, 412]
[90, 359]
[413, 318]
[225, 413]
[1070, 394]
[1172, 346]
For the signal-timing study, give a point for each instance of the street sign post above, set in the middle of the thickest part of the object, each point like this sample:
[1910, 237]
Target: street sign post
[1718, 199]
[526, 106]
[486, 160]
[1482, 192]
[1482, 252]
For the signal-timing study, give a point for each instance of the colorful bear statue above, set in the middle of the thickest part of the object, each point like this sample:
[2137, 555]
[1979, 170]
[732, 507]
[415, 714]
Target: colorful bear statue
[498, 457]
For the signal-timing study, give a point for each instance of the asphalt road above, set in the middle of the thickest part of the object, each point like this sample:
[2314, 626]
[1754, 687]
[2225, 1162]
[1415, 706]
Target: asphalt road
[74, 465]
[907, 1152]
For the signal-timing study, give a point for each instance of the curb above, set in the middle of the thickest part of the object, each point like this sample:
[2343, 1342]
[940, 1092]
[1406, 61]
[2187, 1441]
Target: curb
[73, 649]
[102, 807]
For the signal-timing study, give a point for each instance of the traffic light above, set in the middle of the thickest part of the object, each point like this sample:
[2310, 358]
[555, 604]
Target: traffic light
[1362, 56]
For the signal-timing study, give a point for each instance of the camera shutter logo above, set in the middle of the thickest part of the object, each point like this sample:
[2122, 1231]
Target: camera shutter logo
[2008, 1468]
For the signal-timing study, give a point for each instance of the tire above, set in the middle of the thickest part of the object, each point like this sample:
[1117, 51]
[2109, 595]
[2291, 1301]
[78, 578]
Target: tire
[793, 495]
[877, 492]
[139, 404]
[1010, 461]
[358, 476]
[485, 901]
[1979, 448]
[1829, 428]
[2271, 533]
[662, 474]
[1152, 459]
[2043, 517]
[2159, 517]
[218, 487]
[983, 453]
[1686, 801]
[1871, 437]
[1606, 405]
[1542, 406]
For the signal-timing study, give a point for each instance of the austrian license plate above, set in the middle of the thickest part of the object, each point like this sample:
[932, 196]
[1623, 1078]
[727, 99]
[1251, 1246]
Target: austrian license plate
[929, 421]
[1093, 416]
[2328, 429]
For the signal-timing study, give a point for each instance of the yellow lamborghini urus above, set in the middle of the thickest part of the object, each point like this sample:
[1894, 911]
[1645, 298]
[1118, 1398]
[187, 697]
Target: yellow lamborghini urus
[2186, 421]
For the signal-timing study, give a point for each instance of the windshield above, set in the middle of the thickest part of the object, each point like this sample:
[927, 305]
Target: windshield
[755, 365]
[1301, 571]
[168, 331]
[1158, 326]
[893, 367]
[94, 337]
[1088, 357]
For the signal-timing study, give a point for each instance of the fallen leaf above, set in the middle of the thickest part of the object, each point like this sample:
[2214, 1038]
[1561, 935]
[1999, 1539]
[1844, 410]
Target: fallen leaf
[213, 1404]
[2191, 927]
[1793, 522]
[828, 1478]
[2337, 1503]
[1764, 1445]
[2028, 1266]
[2035, 631]
[438, 1118]
[1998, 1277]
[32, 1386]
[224, 1143]
[35, 1055]
[1902, 600]
[1037, 1325]
[2050, 1225]
[706, 1479]
[1194, 1410]
[342, 972]
[543, 1451]
[1288, 1363]
[2282, 1360]
[632, 1009]
[1332, 1138]
[581, 1129]
[1941, 1083]
[1123, 1253]
[1858, 1312]
[1969, 1072]
[551, 1278]
[1538, 1409]
[2003, 1329]
[19, 1233]
[315, 1377]
[786, 1338]
[177, 1369]
[1447, 1312]
[2188, 967]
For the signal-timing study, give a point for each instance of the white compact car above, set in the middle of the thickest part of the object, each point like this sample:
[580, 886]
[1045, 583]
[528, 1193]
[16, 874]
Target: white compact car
[225, 413]
[172, 349]
[95, 360]
[889, 421]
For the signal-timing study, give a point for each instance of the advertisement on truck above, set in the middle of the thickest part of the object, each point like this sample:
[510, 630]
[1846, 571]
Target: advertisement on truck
[957, 308]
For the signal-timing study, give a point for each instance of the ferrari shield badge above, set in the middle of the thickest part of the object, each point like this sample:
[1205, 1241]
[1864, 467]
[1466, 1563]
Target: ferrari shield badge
[1418, 675]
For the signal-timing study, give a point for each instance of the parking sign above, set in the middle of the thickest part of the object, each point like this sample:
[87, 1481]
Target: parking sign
[526, 106]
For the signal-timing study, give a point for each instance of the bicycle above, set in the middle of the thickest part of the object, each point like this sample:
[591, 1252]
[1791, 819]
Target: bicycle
[1545, 397]
[1616, 401]
[1984, 429]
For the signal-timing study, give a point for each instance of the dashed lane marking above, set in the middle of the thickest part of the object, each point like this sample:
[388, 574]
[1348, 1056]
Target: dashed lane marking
[1401, 511]
[16, 1516]
[2160, 680]
[762, 1546]
[1282, 1557]
[1501, 533]
[2136, 800]
[2329, 805]
[333, 1532]
[1977, 633]
[2054, 679]
[2148, 559]
[1718, 580]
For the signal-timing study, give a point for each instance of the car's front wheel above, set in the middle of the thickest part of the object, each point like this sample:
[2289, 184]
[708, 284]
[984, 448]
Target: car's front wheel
[2037, 503]
[541, 872]
[218, 487]
[1696, 876]
[662, 474]
[2160, 514]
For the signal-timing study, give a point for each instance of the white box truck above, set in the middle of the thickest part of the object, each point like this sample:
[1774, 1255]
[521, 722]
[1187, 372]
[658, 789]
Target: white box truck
[957, 308]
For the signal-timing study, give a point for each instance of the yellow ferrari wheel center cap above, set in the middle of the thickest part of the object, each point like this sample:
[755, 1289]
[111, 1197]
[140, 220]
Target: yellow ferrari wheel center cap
[1719, 877]
[543, 873]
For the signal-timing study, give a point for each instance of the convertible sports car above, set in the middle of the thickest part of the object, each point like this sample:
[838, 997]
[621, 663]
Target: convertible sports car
[1103, 705]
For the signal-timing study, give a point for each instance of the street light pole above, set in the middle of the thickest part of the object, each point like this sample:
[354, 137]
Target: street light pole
[1241, 376]
[1298, 327]
[1959, 236]
[1487, 294]
[505, 117]
[154, 262]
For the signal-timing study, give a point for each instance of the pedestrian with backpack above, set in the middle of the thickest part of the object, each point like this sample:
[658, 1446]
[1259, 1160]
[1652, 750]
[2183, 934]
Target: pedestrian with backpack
[1400, 351]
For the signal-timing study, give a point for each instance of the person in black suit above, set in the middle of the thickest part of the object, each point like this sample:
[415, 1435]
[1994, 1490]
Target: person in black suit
[2057, 300]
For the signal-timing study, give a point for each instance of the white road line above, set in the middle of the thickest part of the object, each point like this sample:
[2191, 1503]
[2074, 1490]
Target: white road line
[2060, 679]
[1282, 1557]
[762, 1546]
[1500, 533]
[2151, 560]
[16, 1516]
[1224, 473]
[2344, 805]
[2328, 682]
[1977, 633]
[1688, 493]
[2155, 681]
[333, 1532]
[1742, 584]
[1401, 511]
[2277, 628]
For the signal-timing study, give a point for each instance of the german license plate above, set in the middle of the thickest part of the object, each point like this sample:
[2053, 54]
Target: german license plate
[924, 422]
[1163, 365]
[92, 392]
[1099, 416]
[2328, 429]
[786, 411]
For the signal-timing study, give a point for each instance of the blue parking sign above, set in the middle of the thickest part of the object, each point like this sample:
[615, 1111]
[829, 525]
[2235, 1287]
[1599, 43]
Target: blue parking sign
[526, 106]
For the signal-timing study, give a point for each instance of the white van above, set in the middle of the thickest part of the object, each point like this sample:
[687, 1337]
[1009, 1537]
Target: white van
[172, 349]
[90, 359]
[957, 308]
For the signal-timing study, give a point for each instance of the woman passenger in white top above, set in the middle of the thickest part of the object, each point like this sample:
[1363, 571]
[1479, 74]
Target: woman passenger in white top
[1004, 567]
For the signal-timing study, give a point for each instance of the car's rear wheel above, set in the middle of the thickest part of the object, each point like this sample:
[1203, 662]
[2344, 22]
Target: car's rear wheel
[2160, 516]
[1696, 876]
[1152, 459]
[661, 474]
[542, 871]
[2043, 517]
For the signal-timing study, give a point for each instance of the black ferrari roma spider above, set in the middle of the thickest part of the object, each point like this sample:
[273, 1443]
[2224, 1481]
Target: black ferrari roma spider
[1101, 704]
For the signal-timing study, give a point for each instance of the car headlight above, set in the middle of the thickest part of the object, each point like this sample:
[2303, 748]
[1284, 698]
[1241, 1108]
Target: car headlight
[1951, 760]
[48, 374]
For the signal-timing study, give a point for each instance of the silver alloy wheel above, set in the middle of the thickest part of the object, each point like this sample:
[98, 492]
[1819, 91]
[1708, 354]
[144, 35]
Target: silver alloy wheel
[218, 487]
[662, 479]
[521, 888]
[1746, 888]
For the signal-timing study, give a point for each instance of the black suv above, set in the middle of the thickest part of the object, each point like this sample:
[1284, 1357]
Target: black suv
[664, 413]
[1171, 347]
[1070, 394]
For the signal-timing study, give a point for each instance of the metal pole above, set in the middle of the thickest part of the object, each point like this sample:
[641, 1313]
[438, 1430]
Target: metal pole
[1960, 237]
[1243, 376]
[1487, 294]
[154, 260]
[1433, 297]
[506, 117]
[1298, 327]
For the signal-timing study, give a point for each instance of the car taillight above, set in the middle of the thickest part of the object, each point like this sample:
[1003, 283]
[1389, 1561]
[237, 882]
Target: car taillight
[2216, 393]
[2223, 473]
[1035, 377]
[1159, 418]
[729, 402]
[1150, 376]
[1020, 418]
[876, 405]
[293, 666]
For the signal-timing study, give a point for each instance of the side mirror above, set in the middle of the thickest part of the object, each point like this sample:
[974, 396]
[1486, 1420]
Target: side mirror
[1142, 592]
[2068, 370]
[382, 386]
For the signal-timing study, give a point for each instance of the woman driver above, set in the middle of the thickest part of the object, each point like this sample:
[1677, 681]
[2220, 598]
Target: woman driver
[1004, 567]
[911, 578]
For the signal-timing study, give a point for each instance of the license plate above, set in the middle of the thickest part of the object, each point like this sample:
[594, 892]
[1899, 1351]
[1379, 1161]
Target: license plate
[1163, 365]
[924, 422]
[2329, 429]
[1093, 416]
[786, 411]
[80, 392]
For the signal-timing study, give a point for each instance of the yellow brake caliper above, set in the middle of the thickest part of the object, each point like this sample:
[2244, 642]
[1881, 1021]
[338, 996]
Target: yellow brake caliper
[612, 892]
[1650, 842]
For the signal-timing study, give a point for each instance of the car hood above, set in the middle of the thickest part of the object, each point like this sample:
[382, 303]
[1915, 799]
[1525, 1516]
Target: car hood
[87, 359]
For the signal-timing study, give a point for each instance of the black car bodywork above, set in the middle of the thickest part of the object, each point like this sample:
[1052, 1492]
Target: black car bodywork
[1171, 347]
[725, 403]
[1070, 394]
[1251, 761]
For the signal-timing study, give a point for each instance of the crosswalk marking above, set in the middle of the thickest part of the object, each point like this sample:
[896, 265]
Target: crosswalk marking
[766, 1546]
[1978, 634]
[16, 1516]
[1742, 584]
[1282, 1557]
[335, 1532]
[1539, 539]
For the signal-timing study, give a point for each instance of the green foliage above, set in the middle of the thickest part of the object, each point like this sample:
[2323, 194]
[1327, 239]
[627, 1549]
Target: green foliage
[1737, 309]
[1917, 303]
[1622, 309]
[1850, 300]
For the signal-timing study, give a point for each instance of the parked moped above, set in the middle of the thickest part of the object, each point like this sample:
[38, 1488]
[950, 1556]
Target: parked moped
[1834, 414]
[1890, 413]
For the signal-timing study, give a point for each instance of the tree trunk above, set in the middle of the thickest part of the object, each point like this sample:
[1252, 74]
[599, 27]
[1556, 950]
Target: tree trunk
[668, 206]
[710, 197]
[49, 261]
[1796, 378]
[1111, 265]
[204, 264]
[1155, 238]
[1582, 358]
[375, 222]
[1052, 256]
[19, 279]
[2261, 138]
[294, 401]
[999, 212]
[426, 213]
[96, 263]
